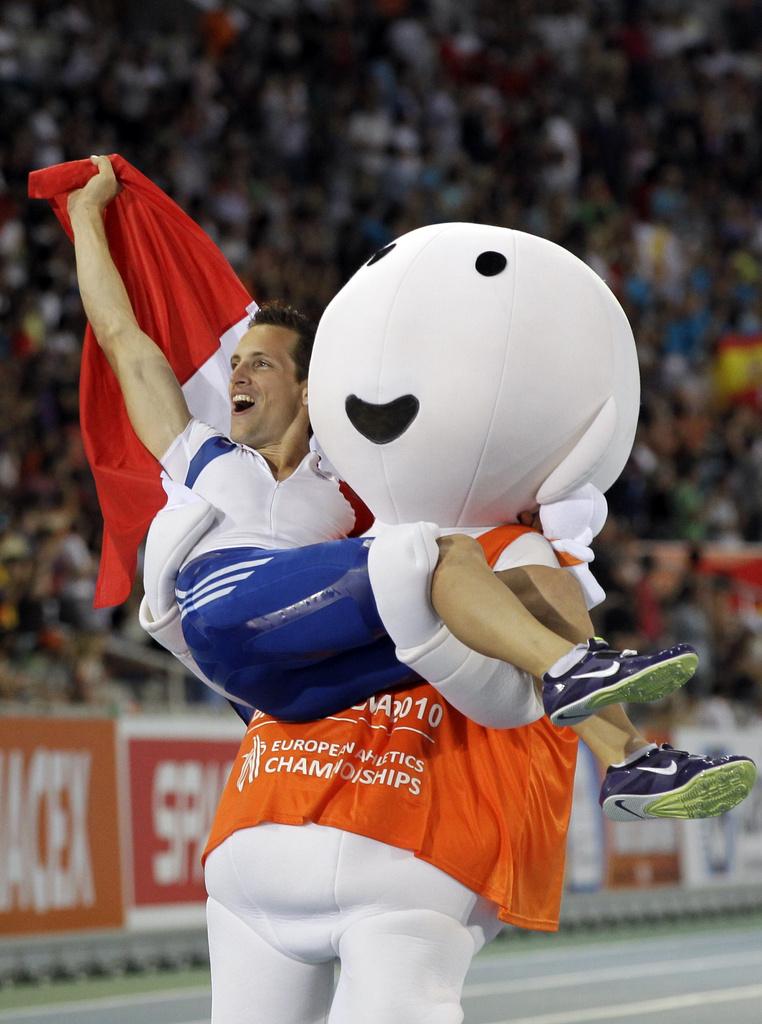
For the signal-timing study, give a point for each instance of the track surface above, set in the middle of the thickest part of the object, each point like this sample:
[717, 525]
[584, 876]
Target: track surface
[689, 977]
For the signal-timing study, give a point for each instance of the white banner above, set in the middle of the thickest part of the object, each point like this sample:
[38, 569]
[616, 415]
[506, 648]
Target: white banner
[586, 851]
[726, 849]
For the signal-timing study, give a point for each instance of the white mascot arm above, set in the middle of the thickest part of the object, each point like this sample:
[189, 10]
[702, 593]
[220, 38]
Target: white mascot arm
[173, 533]
[401, 562]
[570, 525]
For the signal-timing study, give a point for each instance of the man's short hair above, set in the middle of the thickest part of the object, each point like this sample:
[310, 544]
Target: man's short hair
[280, 314]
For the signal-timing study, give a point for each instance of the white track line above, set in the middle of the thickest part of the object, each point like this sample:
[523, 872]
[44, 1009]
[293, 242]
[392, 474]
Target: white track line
[106, 1003]
[722, 995]
[572, 979]
[471, 991]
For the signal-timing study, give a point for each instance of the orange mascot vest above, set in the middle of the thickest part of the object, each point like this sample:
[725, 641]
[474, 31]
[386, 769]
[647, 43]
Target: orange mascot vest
[490, 807]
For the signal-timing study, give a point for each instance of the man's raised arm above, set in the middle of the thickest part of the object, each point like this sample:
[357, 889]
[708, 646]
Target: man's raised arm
[155, 402]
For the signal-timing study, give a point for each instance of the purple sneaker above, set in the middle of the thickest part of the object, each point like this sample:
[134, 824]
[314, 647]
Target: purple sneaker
[668, 783]
[605, 677]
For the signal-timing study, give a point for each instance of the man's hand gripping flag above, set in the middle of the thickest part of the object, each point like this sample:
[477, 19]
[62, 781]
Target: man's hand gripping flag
[186, 297]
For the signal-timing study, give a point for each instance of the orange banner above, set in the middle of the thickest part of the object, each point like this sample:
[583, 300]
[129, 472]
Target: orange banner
[60, 864]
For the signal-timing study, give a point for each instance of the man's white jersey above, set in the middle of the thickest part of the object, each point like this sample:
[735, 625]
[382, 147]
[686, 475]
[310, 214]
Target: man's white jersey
[255, 509]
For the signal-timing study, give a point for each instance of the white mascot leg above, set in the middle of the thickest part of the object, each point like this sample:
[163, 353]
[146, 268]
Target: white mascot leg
[401, 563]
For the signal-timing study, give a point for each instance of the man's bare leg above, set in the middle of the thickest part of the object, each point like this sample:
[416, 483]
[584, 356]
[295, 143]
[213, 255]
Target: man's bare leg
[547, 615]
[556, 599]
[699, 787]
[476, 606]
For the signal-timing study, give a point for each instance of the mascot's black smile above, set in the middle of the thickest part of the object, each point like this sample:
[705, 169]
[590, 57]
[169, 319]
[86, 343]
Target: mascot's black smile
[382, 423]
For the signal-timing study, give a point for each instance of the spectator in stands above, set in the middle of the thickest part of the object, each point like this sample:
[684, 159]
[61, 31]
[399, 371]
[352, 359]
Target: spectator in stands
[304, 140]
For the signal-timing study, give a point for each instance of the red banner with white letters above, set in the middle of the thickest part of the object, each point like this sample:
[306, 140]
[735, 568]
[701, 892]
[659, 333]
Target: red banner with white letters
[175, 785]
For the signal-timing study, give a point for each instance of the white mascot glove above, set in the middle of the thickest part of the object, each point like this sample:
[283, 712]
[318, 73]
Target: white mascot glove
[570, 525]
[401, 562]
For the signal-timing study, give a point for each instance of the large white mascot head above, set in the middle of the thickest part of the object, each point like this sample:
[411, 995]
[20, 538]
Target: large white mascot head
[466, 373]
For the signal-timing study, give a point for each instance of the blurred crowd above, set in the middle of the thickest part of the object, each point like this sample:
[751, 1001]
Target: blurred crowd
[305, 134]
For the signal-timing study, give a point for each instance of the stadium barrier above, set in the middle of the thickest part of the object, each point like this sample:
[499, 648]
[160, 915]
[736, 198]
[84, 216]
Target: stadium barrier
[102, 824]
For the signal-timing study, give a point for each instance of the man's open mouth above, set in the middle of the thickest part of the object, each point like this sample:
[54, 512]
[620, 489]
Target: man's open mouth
[242, 403]
[382, 423]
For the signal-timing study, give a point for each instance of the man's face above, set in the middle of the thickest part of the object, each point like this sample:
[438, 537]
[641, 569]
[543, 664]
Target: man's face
[265, 395]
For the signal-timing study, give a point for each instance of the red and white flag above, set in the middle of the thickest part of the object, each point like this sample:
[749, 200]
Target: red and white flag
[186, 297]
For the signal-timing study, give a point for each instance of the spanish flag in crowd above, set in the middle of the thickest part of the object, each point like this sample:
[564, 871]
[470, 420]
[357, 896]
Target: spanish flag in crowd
[737, 369]
[186, 297]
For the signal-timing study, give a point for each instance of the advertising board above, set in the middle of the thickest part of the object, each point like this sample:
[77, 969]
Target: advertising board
[60, 858]
[726, 849]
[175, 769]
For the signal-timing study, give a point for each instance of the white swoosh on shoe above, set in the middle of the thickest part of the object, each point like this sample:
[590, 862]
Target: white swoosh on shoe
[669, 770]
[600, 674]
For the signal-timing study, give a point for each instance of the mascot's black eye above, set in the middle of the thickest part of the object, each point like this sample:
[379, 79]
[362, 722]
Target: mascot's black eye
[489, 263]
[380, 254]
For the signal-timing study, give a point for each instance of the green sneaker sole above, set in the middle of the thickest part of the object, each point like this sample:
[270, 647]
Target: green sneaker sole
[649, 684]
[713, 792]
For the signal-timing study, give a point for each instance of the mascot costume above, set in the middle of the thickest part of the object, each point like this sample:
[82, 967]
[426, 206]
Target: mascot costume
[464, 374]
